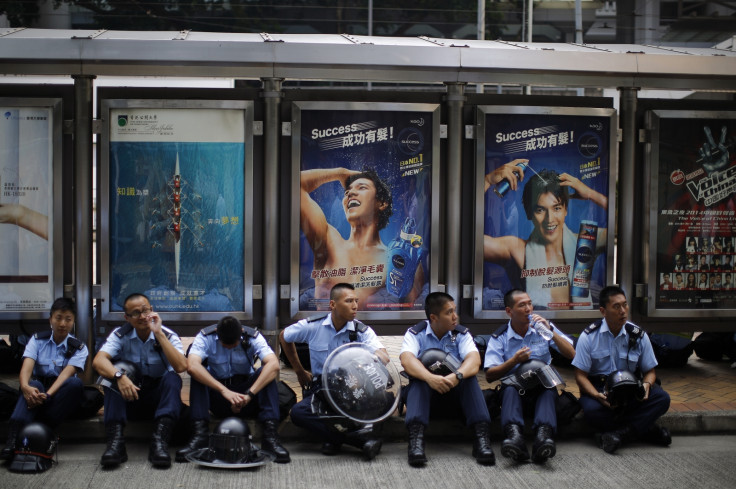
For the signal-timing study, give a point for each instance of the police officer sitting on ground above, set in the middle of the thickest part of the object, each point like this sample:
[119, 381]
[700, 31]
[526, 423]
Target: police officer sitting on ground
[428, 391]
[224, 381]
[607, 346]
[48, 378]
[157, 353]
[325, 334]
[510, 346]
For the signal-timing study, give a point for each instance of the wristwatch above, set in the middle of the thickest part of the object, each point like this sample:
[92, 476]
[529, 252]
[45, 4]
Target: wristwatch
[249, 394]
[118, 375]
[459, 376]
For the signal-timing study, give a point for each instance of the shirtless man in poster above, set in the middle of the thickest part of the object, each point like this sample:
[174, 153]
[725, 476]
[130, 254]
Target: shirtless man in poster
[367, 203]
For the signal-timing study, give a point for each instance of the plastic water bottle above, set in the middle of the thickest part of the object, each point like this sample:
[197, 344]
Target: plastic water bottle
[539, 326]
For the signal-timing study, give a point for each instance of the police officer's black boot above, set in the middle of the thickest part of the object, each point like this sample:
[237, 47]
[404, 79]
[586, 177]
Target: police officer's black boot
[200, 439]
[658, 436]
[9, 451]
[611, 441]
[482, 450]
[366, 442]
[544, 444]
[417, 458]
[115, 453]
[513, 445]
[158, 452]
[270, 442]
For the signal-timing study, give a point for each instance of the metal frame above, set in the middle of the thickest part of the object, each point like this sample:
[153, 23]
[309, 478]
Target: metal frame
[430, 108]
[653, 118]
[104, 239]
[56, 280]
[480, 162]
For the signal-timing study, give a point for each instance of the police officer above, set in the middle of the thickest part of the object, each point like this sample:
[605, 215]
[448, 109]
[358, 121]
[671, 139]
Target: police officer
[324, 334]
[225, 382]
[157, 353]
[508, 347]
[48, 378]
[609, 345]
[442, 331]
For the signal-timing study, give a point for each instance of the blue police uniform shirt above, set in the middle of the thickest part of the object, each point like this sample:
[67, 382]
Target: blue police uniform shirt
[143, 354]
[507, 344]
[49, 356]
[322, 338]
[459, 346]
[223, 363]
[600, 353]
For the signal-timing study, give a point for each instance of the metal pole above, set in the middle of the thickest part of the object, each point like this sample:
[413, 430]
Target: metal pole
[530, 22]
[83, 85]
[627, 190]
[578, 22]
[272, 134]
[481, 32]
[453, 217]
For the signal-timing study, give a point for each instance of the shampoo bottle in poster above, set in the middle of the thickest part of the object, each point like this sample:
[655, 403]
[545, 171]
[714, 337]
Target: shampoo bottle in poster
[403, 258]
[584, 259]
[504, 185]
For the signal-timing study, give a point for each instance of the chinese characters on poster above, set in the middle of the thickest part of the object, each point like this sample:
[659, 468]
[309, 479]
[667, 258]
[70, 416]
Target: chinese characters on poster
[696, 211]
[176, 208]
[365, 206]
[26, 199]
[549, 234]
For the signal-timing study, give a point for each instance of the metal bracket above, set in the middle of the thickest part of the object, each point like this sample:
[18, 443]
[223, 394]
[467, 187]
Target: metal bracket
[95, 34]
[443, 131]
[258, 128]
[286, 128]
[469, 132]
[644, 136]
[467, 291]
[257, 292]
[97, 126]
[267, 37]
[97, 291]
[641, 290]
[182, 35]
[284, 292]
[67, 126]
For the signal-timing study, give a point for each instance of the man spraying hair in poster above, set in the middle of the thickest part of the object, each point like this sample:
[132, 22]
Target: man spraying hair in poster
[551, 245]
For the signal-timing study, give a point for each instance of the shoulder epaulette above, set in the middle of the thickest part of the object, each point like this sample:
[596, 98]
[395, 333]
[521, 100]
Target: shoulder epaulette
[460, 329]
[74, 343]
[593, 327]
[43, 335]
[634, 330]
[360, 327]
[316, 318]
[419, 327]
[248, 331]
[169, 333]
[123, 330]
[500, 331]
[211, 329]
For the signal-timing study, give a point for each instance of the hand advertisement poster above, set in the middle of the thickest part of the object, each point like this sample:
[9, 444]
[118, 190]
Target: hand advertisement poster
[365, 189]
[696, 211]
[176, 186]
[26, 200]
[545, 207]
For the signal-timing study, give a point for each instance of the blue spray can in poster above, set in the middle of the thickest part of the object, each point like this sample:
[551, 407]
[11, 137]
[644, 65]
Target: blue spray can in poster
[403, 259]
[584, 259]
[504, 185]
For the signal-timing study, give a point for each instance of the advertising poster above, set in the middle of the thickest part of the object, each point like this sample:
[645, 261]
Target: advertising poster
[696, 211]
[26, 201]
[365, 206]
[547, 232]
[176, 190]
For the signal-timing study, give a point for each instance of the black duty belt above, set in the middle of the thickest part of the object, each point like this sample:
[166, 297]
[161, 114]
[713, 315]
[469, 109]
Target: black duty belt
[234, 380]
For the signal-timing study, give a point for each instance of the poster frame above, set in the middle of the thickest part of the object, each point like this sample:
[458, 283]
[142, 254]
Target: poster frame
[56, 280]
[246, 106]
[479, 210]
[433, 109]
[651, 221]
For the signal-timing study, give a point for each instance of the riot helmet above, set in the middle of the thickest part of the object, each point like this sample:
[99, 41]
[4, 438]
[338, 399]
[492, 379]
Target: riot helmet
[127, 368]
[357, 384]
[230, 447]
[622, 387]
[533, 374]
[36, 449]
[439, 362]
